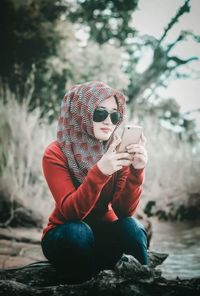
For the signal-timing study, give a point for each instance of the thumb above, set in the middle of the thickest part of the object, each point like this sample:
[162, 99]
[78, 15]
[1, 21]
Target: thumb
[114, 144]
[143, 139]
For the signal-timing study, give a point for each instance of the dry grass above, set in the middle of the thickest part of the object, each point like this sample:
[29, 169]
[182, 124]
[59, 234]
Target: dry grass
[23, 138]
[173, 169]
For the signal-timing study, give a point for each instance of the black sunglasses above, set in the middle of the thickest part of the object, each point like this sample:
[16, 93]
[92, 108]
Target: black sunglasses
[101, 114]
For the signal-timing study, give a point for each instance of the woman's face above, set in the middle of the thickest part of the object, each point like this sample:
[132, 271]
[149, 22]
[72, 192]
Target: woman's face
[104, 129]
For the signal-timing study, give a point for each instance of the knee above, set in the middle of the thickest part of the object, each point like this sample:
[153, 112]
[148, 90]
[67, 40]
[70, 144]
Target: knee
[133, 230]
[78, 235]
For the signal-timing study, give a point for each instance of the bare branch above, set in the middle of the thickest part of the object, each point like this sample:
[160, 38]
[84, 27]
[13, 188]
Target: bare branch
[183, 9]
[180, 62]
[178, 39]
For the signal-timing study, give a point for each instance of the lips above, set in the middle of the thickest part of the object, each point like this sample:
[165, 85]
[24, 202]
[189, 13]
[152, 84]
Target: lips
[106, 130]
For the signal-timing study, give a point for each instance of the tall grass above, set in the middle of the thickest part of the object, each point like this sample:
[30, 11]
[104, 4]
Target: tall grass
[173, 168]
[23, 138]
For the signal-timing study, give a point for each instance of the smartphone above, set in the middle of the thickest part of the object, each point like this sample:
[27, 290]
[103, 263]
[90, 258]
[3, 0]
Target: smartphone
[131, 135]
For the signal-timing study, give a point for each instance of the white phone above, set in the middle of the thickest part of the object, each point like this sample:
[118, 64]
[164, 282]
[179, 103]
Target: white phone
[131, 135]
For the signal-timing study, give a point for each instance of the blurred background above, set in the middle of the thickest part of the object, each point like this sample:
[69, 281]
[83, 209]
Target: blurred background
[147, 49]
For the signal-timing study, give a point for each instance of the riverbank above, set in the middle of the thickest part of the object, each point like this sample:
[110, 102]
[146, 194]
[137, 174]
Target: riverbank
[181, 241]
[19, 247]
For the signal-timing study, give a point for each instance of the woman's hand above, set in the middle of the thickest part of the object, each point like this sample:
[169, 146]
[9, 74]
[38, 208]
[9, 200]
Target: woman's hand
[138, 154]
[112, 161]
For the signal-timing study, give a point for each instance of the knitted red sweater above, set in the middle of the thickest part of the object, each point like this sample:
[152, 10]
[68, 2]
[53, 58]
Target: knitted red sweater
[99, 197]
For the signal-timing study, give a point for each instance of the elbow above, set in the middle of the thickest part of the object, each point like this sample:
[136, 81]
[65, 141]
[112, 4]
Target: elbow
[123, 213]
[123, 209]
[72, 211]
[132, 210]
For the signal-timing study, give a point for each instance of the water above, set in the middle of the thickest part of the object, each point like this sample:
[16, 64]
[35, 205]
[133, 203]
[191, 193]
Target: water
[181, 240]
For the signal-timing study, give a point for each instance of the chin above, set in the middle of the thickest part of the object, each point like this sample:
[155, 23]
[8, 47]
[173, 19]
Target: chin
[105, 137]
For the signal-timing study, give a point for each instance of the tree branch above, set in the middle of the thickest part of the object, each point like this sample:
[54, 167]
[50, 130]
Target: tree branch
[180, 62]
[183, 9]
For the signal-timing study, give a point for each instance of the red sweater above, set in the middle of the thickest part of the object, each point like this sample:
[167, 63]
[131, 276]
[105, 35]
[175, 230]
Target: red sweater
[99, 197]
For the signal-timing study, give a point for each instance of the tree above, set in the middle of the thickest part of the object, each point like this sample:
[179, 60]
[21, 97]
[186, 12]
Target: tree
[76, 64]
[27, 38]
[104, 20]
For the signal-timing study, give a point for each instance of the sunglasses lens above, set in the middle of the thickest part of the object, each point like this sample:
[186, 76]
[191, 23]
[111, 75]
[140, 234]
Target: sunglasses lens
[100, 115]
[115, 117]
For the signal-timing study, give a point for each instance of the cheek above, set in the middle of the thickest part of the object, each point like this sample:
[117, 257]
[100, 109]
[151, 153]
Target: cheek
[95, 128]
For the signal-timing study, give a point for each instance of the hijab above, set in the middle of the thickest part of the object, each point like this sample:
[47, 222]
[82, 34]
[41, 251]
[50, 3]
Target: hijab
[75, 134]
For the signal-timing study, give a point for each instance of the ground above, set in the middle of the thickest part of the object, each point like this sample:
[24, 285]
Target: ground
[19, 246]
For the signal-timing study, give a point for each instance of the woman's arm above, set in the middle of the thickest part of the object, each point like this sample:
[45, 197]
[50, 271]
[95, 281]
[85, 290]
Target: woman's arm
[73, 203]
[128, 191]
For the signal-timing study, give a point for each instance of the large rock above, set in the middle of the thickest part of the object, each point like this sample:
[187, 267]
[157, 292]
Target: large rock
[15, 214]
[129, 277]
[181, 207]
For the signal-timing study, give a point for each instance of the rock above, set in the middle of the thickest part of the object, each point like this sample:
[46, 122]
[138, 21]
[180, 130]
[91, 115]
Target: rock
[155, 258]
[185, 206]
[128, 277]
[21, 234]
[129, 267]
[26, 218]
[9, 288]
[15, 213]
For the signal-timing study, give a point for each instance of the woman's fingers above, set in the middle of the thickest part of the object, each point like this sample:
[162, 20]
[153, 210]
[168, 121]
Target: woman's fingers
[140, 149]
[141, 158]
[138, 155]
[113, 146]
[123, 162]
[123, 155]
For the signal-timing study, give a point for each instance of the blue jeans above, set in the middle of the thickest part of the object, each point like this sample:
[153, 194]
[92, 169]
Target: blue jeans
[80, 251]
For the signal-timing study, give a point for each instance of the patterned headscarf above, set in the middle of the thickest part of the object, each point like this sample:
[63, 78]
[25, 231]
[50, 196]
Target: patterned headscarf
[75, 133]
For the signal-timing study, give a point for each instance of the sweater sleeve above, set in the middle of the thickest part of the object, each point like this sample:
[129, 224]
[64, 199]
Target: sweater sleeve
[128, 191]
[72, 203]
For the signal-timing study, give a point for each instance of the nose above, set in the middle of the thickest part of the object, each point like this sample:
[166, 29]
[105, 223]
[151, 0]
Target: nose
[108, 121]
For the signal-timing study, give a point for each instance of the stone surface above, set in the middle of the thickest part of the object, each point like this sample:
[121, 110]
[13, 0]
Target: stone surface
[14, 212]
[129, 277]
[19, 246]
[184, 206]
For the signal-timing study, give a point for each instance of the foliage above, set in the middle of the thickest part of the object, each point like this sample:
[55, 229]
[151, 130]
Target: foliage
[27, 38]
[106, 19]
[75, 64]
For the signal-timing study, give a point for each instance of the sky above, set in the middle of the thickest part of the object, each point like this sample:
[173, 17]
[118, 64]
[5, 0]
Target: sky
[151, 18]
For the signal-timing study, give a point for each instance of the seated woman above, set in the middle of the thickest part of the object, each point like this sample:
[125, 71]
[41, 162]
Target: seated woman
[95, 188]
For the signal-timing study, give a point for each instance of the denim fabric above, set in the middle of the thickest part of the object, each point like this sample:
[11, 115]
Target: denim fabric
[80, 250]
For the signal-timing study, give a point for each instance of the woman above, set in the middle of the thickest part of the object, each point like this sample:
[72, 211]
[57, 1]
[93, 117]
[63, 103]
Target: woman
[96, 190]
